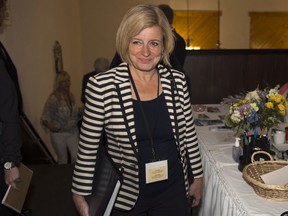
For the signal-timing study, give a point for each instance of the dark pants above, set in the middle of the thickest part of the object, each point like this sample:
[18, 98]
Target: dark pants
[170, 202]
[5, 211]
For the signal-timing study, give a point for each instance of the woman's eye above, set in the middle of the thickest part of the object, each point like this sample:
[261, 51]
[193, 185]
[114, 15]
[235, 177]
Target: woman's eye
[135, 42]
[154, 44]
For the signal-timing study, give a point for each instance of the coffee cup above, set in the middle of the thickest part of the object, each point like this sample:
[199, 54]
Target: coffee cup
[279, 137]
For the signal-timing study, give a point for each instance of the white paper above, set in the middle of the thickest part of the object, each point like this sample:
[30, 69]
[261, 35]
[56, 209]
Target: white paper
[112, 199]
[277, 177]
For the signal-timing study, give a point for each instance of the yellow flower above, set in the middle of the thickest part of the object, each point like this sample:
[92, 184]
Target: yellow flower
[282, 97]
[272, 98]
[269, 105]
[281, 109]
[278, 98]
[241, 102]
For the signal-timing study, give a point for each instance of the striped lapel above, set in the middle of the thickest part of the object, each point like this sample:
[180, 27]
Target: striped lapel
[167, 82]
[123, 87]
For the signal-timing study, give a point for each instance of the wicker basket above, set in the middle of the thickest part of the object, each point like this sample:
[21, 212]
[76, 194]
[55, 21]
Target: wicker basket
[252, 174]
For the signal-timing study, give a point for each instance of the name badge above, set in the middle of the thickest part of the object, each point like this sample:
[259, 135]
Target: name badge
[156, 171]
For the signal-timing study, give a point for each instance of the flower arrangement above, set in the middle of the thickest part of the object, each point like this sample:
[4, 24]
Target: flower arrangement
[257, 109]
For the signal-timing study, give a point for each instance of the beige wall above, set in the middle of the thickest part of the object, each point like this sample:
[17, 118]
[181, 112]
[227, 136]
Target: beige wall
[86, 30]
[35, 25]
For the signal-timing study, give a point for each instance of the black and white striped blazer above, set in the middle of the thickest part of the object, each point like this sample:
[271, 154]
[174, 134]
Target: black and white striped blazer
[103, 112]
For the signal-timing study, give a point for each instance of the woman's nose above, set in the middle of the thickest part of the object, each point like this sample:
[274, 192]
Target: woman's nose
[146, 50]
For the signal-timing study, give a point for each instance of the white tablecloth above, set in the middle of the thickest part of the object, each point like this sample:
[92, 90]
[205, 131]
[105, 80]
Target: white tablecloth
[225, 191]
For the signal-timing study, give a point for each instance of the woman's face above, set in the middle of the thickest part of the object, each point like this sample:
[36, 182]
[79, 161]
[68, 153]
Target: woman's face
[145, 49]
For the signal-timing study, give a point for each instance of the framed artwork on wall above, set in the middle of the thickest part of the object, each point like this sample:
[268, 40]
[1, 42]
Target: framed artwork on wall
[268, 30]
[198, 28]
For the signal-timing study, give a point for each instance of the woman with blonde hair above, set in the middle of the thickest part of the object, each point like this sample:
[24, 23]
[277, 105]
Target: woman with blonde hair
[60, 116]
[144, 108]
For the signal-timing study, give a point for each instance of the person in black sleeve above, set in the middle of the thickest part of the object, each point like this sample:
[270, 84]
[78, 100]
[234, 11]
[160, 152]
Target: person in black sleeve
[179, 51]
[100, 64]
[10, 133]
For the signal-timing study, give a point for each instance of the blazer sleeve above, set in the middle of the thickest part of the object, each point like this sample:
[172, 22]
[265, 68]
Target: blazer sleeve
[90, 137]
[191, 139]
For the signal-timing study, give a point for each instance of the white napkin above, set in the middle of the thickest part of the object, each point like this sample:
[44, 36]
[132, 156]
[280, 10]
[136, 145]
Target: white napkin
[277, 177]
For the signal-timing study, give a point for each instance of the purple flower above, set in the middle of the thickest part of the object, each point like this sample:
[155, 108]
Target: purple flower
[243, 109]
[253, 117]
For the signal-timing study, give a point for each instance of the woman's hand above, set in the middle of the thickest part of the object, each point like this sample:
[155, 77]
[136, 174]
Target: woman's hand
[51, 127]
[196, 190]
[54, 129]
[81, 110]
[81, 205]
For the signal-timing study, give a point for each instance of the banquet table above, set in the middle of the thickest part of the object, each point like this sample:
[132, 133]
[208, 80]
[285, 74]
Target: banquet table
[226, 193]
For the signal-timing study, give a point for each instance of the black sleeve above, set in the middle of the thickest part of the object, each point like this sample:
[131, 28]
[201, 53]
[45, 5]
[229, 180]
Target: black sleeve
[10, 133]
[180, 49]
[12, 72]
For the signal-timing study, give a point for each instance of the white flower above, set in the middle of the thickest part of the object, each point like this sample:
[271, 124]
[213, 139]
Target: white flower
[254, 106]
[272, 92]
[235, 117]
[253, 96]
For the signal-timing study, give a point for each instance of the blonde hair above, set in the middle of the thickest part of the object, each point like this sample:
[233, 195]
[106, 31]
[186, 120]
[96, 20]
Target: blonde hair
[60, 77]
[137, 19]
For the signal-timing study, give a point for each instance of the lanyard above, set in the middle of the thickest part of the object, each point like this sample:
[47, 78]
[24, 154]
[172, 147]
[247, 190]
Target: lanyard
[148, 129]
